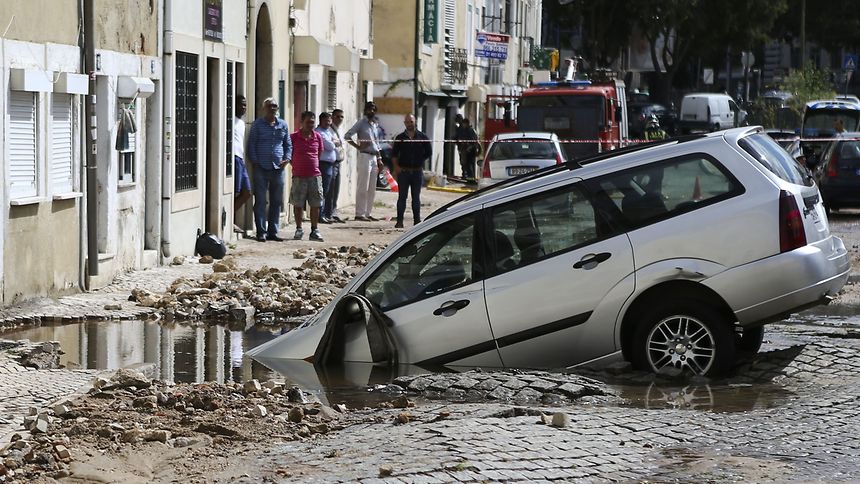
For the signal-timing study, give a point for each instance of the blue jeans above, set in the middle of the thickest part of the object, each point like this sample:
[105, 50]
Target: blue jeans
[409, 181]
[271, 182]
[330, 171]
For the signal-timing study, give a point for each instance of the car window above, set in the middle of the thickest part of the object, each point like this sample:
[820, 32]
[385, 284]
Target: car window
[434, 262]
[656, 191]
[849, 150]
[541, 226]
[522, 149]
[771, 156]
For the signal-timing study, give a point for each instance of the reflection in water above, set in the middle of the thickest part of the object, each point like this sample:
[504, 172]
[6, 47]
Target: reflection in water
[709, 397]
[182, 354]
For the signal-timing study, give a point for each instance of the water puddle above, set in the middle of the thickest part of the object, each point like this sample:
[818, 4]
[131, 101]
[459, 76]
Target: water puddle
[836, 315]
[187, 354]
[705, 396]
[182, 354]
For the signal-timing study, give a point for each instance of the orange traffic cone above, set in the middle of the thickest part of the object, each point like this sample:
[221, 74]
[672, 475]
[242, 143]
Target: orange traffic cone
[697, 190]
[392, 183]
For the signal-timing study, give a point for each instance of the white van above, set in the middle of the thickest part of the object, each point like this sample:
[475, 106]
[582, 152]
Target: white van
[709, 112]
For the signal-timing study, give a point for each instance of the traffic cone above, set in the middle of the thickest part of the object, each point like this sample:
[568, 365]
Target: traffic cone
[392, 183]
[697, 190]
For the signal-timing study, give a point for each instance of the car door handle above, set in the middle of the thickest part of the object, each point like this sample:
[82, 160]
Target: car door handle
[451, 307]
[590, 261]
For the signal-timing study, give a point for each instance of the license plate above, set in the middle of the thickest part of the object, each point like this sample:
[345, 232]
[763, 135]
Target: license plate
[520, 170]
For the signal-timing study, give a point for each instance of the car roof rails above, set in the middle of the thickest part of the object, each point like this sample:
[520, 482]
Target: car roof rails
[569, 165]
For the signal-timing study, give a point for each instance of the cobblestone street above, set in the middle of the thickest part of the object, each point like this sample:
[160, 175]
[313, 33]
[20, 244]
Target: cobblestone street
[810, 435]
[790, 414]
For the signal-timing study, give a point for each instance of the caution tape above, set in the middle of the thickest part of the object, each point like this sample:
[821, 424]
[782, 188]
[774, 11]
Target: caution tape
[583, 140]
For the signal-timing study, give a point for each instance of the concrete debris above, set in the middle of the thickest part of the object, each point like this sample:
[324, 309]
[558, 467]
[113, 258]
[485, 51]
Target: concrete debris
[560, 419]
[267, 295]
[41, 356]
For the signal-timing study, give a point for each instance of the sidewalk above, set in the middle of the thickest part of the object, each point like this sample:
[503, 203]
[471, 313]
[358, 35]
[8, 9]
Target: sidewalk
[112, 302]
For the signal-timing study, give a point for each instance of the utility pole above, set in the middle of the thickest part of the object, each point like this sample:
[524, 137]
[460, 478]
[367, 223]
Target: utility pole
[802, 34]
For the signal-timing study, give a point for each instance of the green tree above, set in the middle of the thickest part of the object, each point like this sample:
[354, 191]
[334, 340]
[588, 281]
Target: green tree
[807, 85]
[681, 30]
[606, 27]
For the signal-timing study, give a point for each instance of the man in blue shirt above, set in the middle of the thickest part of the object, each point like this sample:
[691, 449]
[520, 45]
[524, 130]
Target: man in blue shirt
[269, 150]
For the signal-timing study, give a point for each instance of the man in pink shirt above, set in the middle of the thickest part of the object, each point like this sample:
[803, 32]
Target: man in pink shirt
[307, 179]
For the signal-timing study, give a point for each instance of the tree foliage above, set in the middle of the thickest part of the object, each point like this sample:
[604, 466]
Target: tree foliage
[807, 85]
[606, 27]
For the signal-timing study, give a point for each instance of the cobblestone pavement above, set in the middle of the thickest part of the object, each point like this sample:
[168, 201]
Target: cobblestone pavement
[806, 433]
[23, 388]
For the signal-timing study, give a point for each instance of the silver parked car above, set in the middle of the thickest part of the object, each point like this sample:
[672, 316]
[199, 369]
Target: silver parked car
[513, 154]
[672, 254]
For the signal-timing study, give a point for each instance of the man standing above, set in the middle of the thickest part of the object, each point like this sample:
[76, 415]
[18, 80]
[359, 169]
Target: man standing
[467, 147]
[269, 149]
[340, 154]
[328, 165]
[369, 161]
[307, 181]
[242, 184]
[411, 149]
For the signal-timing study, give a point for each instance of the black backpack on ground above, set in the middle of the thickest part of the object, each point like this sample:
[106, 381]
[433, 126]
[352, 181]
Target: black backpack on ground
[210, 244]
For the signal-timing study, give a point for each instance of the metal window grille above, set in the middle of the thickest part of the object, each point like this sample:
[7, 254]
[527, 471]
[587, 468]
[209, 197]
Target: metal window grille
[186, 121]
[332, 90]
[228, 170]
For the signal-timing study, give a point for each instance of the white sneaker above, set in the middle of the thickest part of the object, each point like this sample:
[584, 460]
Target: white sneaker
[299, 234]
[315, 235]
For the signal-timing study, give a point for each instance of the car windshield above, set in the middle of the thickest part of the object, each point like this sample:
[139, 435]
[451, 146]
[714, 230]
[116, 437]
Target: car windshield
[520, 149]
[821, 121]
[773, 157]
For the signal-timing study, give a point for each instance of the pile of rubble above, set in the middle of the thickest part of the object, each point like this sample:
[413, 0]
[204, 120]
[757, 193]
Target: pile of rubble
[130, 410]
[41, 356]
[266, 295]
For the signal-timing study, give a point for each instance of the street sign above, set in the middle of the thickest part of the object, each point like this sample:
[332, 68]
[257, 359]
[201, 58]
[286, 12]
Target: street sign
[431, 21]
[849, 62]
[492, 45]
[747, 59]
[708, 76]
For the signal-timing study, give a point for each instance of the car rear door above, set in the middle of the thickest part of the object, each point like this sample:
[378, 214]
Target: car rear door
[557, 275]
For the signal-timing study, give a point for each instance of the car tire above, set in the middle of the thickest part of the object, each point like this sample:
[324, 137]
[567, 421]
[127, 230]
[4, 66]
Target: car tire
[748, 342]
[669, 333]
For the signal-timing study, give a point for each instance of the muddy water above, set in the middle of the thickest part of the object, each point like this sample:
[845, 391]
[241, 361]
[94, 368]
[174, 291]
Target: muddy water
[181, 354]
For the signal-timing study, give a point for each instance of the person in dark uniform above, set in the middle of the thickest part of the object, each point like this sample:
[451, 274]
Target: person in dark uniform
[410, 150]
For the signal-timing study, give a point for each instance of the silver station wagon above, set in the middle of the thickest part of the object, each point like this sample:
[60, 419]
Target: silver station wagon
[672, 254]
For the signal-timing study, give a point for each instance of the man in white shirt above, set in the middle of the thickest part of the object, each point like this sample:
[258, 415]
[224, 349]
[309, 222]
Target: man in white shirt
[242, 184]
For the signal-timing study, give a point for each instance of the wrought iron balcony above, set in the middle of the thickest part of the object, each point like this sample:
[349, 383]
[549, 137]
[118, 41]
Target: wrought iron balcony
[456, 67]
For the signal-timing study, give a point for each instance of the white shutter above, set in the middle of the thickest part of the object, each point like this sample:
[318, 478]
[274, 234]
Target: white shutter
[22, 145]
[449, 41]
[61, 144]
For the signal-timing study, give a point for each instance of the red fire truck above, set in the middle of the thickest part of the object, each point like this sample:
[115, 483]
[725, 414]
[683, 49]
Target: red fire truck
[589, 117]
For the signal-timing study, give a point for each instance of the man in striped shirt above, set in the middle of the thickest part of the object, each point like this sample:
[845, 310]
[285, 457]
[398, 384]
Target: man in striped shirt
[269, 150]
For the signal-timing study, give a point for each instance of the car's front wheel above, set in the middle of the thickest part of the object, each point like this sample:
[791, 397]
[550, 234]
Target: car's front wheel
[684, 337]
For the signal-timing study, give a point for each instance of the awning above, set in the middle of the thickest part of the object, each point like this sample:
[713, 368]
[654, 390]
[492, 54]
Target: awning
[374, 70]
[31, 80]
[70, 83]
[313, 51]
[346, 60]
[128, 87]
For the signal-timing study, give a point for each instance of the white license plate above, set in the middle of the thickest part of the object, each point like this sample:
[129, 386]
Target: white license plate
[520, 170]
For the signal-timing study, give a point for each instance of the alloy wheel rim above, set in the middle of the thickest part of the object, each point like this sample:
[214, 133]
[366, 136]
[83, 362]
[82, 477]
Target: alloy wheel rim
[680, 344]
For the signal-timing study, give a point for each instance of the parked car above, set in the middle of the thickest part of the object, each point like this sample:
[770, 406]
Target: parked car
[838, 173]
[851, 98]
[512, 154]
[639, 113]
[709, 112]
[672, 254]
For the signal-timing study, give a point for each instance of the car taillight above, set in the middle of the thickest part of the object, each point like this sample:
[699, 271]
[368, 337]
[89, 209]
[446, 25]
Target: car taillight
[791, 231]
[833, 165]
[485, 169]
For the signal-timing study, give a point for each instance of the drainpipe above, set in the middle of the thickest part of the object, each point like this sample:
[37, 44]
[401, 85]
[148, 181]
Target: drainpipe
[167, 82]
[90, 145]
[153, 173]
[417, 63]
[83, 281]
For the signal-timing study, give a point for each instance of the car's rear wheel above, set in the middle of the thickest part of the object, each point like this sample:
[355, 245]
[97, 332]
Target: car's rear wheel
[684, 337]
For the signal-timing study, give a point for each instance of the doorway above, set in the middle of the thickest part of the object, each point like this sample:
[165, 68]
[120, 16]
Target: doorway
[216, 215]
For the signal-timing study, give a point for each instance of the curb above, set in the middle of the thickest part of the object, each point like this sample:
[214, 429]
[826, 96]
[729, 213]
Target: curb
[450, 189]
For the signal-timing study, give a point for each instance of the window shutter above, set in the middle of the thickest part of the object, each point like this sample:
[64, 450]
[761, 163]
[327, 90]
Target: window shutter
[61, 144]
[22, 144]
[449, 41]
[332, 90]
